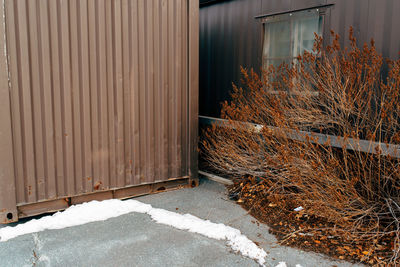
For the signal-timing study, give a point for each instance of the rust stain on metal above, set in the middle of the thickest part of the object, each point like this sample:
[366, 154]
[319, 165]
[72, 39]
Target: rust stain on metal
[27, 210]
[97, 185]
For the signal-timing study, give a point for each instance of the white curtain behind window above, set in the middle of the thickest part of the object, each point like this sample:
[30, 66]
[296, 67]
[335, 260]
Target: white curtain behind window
[277, 43]
[288, 36]
[303, 34]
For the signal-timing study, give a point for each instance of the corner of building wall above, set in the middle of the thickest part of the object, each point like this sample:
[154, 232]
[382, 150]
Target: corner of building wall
[8, 209]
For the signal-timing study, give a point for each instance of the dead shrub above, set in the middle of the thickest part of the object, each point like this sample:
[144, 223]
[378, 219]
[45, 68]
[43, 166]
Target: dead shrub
[332, 91]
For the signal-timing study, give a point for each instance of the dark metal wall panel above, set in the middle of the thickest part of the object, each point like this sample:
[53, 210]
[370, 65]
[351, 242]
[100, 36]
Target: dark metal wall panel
[272, 6]
[306, 3]
[377, 19]
[193, 83]
[230, 37]
[98, 95]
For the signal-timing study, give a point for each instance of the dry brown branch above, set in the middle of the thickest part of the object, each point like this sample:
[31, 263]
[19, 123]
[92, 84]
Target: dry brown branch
[333, 91]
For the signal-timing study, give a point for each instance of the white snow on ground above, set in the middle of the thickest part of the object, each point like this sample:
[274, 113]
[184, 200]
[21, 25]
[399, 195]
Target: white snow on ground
[283, 264]
[103, 210]
[237, 241]
[299, 208]
[75, 215]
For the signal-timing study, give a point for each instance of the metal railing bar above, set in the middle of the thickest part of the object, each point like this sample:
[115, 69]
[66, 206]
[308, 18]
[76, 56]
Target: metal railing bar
[366, 146]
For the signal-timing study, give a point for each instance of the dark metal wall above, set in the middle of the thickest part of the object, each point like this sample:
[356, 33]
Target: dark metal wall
[230, 36]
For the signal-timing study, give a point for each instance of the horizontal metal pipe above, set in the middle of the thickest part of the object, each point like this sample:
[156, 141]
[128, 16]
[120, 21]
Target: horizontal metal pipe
[216, 178]
[365, 146]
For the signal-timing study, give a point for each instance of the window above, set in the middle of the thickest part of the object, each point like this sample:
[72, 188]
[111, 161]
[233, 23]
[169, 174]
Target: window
[288, 35]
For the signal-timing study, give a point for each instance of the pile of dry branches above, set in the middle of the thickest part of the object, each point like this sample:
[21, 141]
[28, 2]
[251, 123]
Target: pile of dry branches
[331, 91]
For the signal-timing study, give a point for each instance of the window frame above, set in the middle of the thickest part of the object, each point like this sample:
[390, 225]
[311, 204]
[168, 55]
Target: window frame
[322, 13]
[265, 19]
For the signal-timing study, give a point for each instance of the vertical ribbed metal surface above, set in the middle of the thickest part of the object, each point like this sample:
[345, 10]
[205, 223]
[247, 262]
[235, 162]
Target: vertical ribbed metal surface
[98, 93]
[377, 19]
[230, 37]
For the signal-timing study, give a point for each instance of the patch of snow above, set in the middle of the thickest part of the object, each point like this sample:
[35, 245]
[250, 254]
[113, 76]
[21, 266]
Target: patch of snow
[283, 264]
[103, 210]
[299, 208]
[258, 128]
[75, 215]
[237, 241]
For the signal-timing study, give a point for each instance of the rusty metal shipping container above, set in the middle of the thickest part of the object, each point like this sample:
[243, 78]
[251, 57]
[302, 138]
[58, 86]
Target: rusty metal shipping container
[98, 99]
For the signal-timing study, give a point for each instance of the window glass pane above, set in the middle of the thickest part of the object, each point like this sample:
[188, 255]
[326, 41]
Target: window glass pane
[276, 62]
[289, 35]
[303, 33]
[277, 39]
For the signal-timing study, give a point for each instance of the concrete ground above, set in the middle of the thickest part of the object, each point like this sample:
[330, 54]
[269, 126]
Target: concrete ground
[135, 240]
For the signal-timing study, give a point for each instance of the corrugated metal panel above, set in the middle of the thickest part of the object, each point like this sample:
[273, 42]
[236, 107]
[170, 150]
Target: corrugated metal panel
[230, 37]
[99, 94]
[7, 183]
[193, 29]
[377, 19]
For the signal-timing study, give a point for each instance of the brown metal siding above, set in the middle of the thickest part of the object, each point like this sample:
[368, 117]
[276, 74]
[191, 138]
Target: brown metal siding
[7, 186]
[99, 94]
[230, 36]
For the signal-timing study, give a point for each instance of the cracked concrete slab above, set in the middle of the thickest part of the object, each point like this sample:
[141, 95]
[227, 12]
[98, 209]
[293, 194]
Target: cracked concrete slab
[135, 240]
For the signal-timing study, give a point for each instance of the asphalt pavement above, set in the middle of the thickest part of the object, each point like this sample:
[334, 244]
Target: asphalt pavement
[135, 240]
